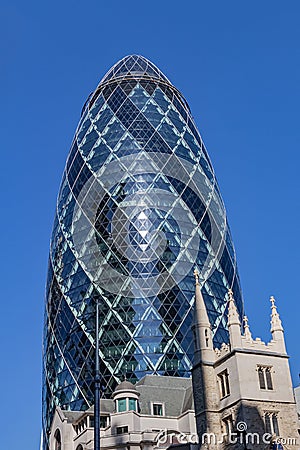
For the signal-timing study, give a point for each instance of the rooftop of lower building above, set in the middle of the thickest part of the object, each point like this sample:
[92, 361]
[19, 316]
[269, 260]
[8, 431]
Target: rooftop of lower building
[174, 393]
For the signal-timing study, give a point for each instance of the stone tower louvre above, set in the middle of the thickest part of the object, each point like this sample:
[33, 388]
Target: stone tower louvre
[138, 207]
[243, 394]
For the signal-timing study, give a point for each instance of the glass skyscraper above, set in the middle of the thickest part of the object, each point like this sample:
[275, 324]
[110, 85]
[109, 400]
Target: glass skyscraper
[138, 209]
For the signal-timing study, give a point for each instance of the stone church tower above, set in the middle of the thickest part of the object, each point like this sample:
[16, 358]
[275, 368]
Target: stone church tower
[243, 391]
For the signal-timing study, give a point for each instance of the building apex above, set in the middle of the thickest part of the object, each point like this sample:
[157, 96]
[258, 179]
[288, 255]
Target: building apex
[247, 332]
[272, 300]
[276, 324]
[134, 66]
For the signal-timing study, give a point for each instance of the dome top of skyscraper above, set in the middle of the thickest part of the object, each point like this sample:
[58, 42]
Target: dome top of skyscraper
[134, 66]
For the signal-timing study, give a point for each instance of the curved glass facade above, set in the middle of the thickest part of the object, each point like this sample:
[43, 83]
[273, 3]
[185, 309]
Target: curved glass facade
[138, 208]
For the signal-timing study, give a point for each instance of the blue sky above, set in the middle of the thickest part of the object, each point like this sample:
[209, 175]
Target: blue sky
[237, 63]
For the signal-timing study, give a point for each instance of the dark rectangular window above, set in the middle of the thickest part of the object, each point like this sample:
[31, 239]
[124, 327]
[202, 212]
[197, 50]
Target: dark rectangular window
[227, 423]
[103, 421]
[157, 409]
[122, 430]
[261, 378]
[227, 384]
[275, 424]
[268, 423]
[223, 379]
[271, 423]
[265, 377]
[269, 378]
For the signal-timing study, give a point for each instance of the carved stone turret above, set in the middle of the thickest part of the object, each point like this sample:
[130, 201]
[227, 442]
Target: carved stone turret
[276, 326]
[247, 332]
[234, 324]
[204, 381]
[201, 327]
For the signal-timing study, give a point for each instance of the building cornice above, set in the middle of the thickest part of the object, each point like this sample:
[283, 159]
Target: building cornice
[247, 351]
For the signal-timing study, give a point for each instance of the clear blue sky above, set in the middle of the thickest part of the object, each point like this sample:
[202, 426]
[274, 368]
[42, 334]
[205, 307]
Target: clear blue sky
[236, 62]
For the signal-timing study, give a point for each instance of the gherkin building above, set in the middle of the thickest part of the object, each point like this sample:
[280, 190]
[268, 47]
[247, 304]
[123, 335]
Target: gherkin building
[138, 209]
